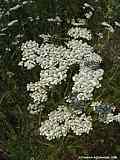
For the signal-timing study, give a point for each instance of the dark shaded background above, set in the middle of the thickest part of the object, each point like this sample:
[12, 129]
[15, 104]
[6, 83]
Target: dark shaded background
[19, 138]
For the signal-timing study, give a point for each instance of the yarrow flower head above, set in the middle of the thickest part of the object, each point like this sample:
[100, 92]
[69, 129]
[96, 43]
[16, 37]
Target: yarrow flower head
[110, 117]
[55, 62]
[30, 48]
[85, 82]
[61, 121]
[78, 32]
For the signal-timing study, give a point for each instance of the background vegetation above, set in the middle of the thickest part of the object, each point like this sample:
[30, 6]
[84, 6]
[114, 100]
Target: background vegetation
[19, 139]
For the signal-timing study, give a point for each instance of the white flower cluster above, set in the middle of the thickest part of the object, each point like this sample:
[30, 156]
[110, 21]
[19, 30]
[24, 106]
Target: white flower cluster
[30, 48]
[78, 50]
[86, 81]
[78, 32]
[55, 61]
[35, 108]
[81, 53]
[45, 37]
[53, 76]
[49, 55]
[48, 78]
[38, 91]
[111, 117]
[61, 121]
